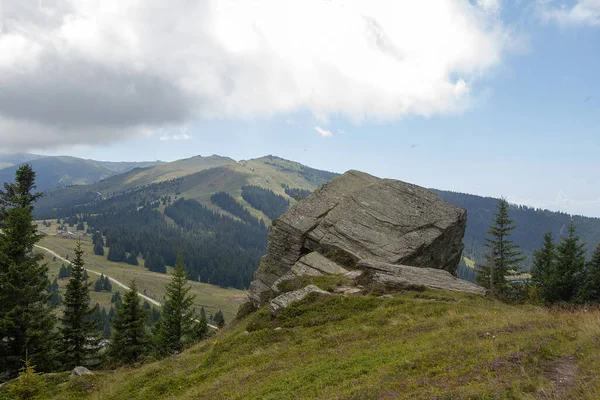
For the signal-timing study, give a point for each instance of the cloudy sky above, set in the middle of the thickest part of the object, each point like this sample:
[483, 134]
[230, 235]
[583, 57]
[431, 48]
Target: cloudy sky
[492, 97]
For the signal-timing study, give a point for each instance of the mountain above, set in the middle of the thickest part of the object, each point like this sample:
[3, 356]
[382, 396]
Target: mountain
[213, 209]
[10, 159]
[59, 171]
[248, 192]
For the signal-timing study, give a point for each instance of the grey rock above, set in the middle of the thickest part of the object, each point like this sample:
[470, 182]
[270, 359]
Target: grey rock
[357, 216]
[353, 274]
[282, 301]
[403, 276]
[80, 371]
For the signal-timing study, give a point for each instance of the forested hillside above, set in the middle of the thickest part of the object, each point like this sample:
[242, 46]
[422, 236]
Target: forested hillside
[531, 224]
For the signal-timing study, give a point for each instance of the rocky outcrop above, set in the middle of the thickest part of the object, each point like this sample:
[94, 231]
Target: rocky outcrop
[357, 217]
[405, 277]
[283, 301]
[80, 371]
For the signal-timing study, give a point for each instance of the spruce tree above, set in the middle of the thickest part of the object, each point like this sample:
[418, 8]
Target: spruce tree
[129, 342]
[566, 276]
[590, 290]
[201, 327]
[26, 318]
[543, 266]
[503, 256]
[175, 325]
[80, 341]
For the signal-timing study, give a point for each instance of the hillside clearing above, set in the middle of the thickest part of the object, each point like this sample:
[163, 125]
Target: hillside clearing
[416, 345]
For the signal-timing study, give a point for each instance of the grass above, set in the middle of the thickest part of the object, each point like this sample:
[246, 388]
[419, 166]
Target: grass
[211, 297]
[415, 345]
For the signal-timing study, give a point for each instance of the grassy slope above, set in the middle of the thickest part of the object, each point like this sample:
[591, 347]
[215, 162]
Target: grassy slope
[431, 344]
[211, 297]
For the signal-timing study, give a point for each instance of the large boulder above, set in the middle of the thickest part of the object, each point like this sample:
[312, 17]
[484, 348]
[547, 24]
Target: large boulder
[354, 217]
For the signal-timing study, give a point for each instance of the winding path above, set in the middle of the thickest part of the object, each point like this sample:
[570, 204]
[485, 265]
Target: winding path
[113, 280]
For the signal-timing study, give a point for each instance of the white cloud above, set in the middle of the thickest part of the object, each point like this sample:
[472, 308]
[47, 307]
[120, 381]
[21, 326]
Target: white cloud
[182, 136]
[583, 12]
[177, 61]
[323, 132]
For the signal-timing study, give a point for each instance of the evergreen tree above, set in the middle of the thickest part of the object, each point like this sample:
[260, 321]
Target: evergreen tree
[98, 249]
[220, 319]
[175, 325]
[79, 333]
[564, 280]
[107, 285]
[26, 318]
[543, 266]
[54, 290]
[201, 327]
[590, 290]
[132, 259]
[503, 256]
[129, 342]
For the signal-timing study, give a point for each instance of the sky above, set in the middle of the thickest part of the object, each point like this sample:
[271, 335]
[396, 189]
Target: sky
[490, 97]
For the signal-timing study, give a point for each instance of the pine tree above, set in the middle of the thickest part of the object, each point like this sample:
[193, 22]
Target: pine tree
[79, 332]
[129, 342]
[98, 249]
[107, 285]
[201, 327]
[220, 319]
[175, 325]
[590, 290]
[503, 257]
[26, 318]
[565, 278]
[543, 265]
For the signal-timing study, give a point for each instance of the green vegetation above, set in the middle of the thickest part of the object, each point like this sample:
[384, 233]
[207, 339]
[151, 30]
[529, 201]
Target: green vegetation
[532, 224]
[176, 325]
[128, 342]
[416, 345]
[79, 331]
[265, 200]
[26, 317]
[503, 258]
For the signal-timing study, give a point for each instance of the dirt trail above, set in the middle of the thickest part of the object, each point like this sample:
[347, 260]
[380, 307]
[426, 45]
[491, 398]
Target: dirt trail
[113, 280]
[562, 374]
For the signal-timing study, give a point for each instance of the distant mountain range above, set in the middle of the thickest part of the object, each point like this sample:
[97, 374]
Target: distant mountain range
[113, 185]
[59, 171]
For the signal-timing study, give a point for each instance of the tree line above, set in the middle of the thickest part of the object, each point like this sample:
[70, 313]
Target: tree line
[561, 273]
[27, 313]
[265, 200]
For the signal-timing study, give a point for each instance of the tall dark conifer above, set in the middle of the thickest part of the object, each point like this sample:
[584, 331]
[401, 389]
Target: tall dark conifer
[544, 261]
[26, 319]
[128, 341]
[566, 277]
[80, 339]
[175, 326]
[503, 257]
[590, 289]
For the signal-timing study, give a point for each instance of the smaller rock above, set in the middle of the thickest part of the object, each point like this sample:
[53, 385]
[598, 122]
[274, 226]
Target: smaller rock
[386, 296]
[284, 300]
[352, 291]
[80, 371]
[353, 274]
[341, 289]
[277, 329]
